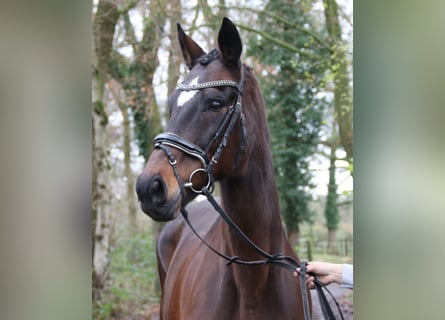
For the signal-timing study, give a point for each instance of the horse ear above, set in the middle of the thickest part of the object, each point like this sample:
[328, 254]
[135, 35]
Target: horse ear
[191, 51]
[229, 43]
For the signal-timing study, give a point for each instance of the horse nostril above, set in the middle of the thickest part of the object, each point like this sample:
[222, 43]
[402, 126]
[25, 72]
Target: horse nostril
[151, 191]
[157, 192]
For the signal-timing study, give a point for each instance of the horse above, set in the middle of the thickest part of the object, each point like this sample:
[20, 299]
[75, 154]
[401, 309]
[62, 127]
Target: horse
[217, 133]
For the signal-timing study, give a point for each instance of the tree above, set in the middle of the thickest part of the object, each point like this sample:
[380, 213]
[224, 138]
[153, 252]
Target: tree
[121, 82]
[339, 69]
[118, 97]
[331, 208]
[136, 74]
[174, 58]
[104, 25]
[295, 74]
[136, 92]
[342, 106]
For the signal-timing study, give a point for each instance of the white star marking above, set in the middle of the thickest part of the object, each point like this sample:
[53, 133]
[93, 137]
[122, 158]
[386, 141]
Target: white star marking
[186, 96]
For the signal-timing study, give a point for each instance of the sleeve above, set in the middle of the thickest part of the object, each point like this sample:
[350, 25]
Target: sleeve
[347, 280]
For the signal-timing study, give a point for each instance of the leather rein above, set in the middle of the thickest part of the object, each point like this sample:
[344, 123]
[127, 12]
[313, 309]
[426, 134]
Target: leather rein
[167, 139]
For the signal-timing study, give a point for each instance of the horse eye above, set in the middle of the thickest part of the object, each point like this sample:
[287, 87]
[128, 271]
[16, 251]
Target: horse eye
[216, 105]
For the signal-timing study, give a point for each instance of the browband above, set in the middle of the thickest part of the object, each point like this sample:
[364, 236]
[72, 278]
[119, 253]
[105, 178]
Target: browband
[209, 84]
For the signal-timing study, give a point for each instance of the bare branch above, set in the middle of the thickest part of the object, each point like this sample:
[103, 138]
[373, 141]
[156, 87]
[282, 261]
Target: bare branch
[281, 43]
[286, 22]
[128, 6]
[129, 32]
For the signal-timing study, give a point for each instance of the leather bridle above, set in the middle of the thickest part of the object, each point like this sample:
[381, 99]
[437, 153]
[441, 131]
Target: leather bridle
[167, 139]
[233, 114]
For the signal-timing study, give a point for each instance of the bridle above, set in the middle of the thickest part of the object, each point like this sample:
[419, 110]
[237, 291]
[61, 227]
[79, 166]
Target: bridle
[167, 139]
[234, 113]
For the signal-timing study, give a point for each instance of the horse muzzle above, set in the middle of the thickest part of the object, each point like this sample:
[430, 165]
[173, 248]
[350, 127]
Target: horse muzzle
[154, 198]
[163, 190]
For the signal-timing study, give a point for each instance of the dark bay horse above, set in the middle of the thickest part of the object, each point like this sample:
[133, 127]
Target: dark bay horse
[217, 131]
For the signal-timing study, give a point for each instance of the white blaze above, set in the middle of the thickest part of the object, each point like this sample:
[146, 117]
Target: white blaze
[185, 96]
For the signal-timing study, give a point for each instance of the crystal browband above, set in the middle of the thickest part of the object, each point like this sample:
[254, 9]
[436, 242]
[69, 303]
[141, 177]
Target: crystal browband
[209, 84]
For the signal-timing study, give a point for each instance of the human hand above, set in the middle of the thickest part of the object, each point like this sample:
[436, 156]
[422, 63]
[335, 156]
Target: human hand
[325, 272]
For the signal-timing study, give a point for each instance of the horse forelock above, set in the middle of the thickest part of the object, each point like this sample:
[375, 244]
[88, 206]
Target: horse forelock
[209, 57]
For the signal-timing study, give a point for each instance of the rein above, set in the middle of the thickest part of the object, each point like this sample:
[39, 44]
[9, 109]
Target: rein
[167, 139]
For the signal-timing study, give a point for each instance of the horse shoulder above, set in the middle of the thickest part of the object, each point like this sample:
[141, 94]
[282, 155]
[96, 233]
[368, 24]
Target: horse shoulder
[166, 246]
[176, 233]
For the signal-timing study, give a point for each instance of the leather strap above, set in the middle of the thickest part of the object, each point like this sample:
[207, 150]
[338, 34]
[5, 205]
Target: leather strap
[180, 143]
[303, 288]
[324, 303]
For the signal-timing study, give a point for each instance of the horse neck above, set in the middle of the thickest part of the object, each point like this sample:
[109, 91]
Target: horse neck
[250, 195]
[252, 202]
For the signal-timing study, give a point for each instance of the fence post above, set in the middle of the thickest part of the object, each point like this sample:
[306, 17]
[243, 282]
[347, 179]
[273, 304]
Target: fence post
[309, 250]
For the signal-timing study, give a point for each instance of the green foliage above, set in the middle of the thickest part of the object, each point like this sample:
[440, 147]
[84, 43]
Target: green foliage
[132, 285]
[294, 109]
[133, 77]
[331, 208]
[99, 109]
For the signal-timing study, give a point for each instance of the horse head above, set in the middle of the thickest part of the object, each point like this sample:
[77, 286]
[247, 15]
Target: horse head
[205, 134]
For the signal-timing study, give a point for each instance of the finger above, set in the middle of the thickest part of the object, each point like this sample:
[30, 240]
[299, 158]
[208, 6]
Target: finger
[310, 284]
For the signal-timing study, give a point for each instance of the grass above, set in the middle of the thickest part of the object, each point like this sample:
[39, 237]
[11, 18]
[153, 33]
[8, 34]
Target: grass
[133, 281]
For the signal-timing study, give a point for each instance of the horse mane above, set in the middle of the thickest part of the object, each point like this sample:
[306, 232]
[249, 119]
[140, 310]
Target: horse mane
[257, 129]
[254, 109]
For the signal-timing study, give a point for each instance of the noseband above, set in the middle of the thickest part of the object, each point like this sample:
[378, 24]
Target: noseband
[172, 140]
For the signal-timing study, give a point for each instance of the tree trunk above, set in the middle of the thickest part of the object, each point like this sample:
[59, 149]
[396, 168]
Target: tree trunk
[104, 25]
[331, 241]
[331, 208]
[339, 68]
[175, 58]
[101, 190]
[141, 91]
[131, 198]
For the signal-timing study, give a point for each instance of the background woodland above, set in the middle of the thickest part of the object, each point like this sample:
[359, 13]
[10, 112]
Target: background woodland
[301, 53]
